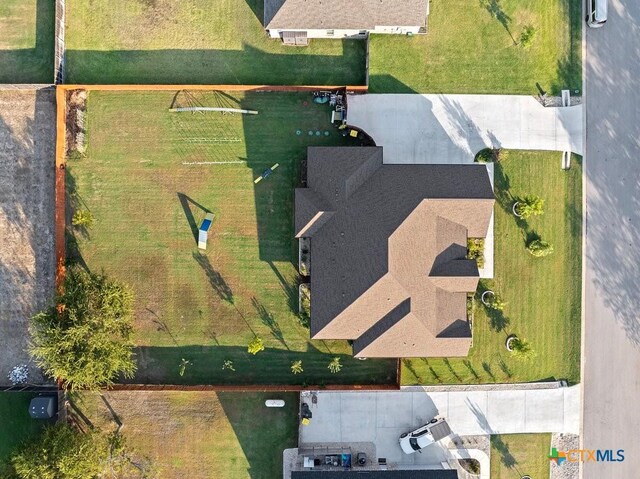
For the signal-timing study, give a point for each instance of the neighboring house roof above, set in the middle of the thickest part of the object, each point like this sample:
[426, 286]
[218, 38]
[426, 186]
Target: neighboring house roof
[341, 14]
[356, 473]
[388, 247]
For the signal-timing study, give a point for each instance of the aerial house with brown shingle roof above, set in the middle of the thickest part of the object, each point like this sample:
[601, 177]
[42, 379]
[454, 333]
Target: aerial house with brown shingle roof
[388, 246]
[297, 20]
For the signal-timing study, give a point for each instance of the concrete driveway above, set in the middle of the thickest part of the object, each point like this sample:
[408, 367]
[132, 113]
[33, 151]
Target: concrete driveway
[453, 128]
[381, 417]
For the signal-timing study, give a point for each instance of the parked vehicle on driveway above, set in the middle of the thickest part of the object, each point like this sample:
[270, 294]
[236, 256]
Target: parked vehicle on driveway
[424, 436]
[596, 13]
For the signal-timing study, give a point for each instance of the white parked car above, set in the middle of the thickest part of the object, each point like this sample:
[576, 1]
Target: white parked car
[424, 436]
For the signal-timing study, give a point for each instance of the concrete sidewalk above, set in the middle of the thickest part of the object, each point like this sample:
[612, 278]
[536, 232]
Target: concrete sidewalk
[381, 417]
[453, 128]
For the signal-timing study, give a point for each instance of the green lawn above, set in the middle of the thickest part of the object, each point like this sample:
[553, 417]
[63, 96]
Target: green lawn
[16, 424]
[148, 197]
[26, 41]
[196, 42]
[470, 49]
[542, 294]
[516, 455]
[228, 435]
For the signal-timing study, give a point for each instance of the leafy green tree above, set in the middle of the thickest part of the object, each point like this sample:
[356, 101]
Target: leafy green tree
[521, 348]
[85, 339]
[61, 452]
[255, 346]
[530, 206]
[527, 36]
[83, 218]
[539, 248]
[335, 366]
[296, 367]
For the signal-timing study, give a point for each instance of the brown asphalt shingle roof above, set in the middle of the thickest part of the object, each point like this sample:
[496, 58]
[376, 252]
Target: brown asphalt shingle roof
[388, 245]
[343, 14]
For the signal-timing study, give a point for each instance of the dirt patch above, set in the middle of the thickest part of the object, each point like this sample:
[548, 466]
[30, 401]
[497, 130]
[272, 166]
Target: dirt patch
[27, 261]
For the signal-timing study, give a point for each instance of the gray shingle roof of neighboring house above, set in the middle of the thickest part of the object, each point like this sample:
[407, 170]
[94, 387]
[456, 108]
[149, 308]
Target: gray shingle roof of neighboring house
[383, 474]
[341, 14]
[388, 247]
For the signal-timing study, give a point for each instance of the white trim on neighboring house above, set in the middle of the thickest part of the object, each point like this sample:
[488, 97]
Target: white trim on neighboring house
[348, 33]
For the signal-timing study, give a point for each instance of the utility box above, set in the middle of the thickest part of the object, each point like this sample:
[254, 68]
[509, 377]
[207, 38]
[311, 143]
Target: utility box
[42, 407]
[203, 232]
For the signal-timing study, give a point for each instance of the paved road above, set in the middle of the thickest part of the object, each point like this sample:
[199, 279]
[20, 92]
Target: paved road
[611, 375]
[382, 416]
[453, 128]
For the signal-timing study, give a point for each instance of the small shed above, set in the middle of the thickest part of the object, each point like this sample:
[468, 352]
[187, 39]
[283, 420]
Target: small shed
[42, 407]
[203, 232]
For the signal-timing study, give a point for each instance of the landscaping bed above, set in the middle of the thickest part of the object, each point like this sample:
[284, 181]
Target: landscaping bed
[477, 47]
[149, 176]
[542, 295]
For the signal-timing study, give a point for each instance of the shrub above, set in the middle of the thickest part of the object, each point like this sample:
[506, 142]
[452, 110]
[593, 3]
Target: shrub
[335, 366]
[530, 206]
[255, 346]
[86, 338]
[527, 36]
[228, 364]
[475, 250]
[296, 367]
[494, 301]
[521, 348]
[183, 366]
[539, 248]
[488, 155]
[83, 218]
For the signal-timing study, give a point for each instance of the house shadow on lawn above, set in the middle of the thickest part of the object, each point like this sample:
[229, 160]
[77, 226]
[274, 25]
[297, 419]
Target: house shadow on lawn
[161, 365]
[248, 66]
[33, 65]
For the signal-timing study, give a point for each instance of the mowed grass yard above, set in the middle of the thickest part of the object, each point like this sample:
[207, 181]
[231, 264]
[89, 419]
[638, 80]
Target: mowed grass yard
[26, 41]
[149, 176]
[543, 295]
[196, 42]
[474, 47]
[16, 424]
[517, 455]
[199, 434]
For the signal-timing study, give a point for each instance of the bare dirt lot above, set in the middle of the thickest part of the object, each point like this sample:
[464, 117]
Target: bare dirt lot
[27, 262]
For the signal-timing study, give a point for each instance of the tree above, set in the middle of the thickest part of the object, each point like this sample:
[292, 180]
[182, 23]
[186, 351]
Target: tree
[334, 365]
[521, 348]
[61, 452]
[83, 218]
[255, 346]
[529, 206]
[296, 367]
[539, 248]
[85, 339]
[527, 36]
[494, 301]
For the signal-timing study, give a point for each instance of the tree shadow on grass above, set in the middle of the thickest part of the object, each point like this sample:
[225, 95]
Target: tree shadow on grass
[159, 365]
[506, 458]
[268, 320]
[216, 281]
[496, 11]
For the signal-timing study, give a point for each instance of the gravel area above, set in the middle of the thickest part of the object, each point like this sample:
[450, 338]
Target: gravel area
[27, 262]
[565, 442]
